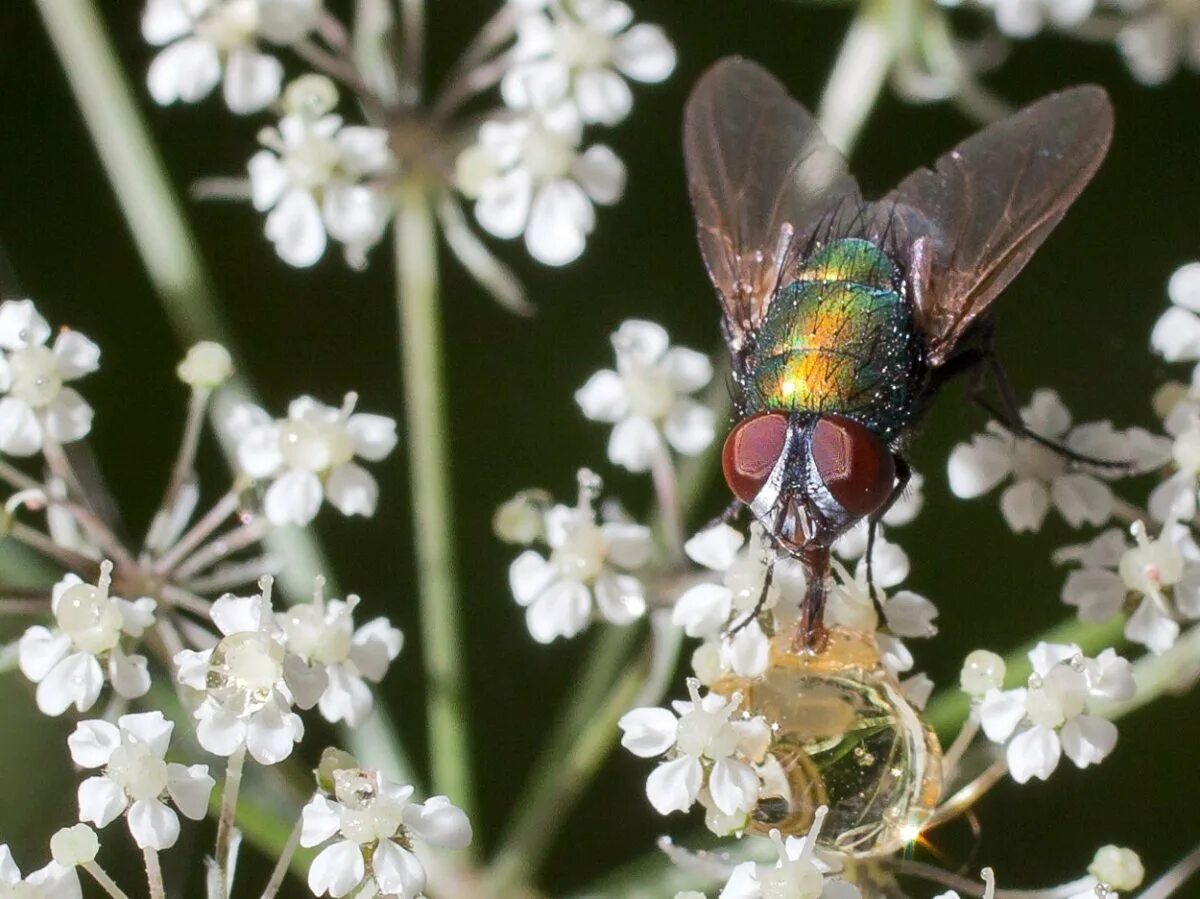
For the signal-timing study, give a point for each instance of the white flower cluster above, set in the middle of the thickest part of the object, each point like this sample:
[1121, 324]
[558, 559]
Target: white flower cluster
[711, 757]
[308, 457]
[368, 826]
[528, 170]
[648, 398]
[1041, 477]
[1054, 713]
[1155, 582]
[587, 570]
[266, 663]
[319, 178]
[71, 662]
[207, 42]
[38, 407]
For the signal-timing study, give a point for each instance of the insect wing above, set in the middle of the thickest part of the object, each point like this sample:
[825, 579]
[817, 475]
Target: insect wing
[761, 176]
[975, 219]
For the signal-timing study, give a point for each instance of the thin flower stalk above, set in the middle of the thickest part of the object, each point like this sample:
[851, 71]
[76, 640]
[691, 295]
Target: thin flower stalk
[225, 821]
[154, 877]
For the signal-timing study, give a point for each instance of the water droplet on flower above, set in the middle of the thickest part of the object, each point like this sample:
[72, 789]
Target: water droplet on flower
[843, 736]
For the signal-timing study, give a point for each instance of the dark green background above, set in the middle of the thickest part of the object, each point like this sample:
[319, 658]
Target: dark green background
[1078, 319]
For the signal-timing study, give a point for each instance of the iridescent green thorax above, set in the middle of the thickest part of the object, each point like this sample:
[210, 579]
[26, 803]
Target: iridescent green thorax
[840, 339]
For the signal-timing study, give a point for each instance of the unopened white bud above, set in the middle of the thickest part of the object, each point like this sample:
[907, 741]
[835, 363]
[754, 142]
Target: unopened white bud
[982, 671]
[207, 364]
[74, 846]
[1118, 867]
[520, 520]
[310, 96]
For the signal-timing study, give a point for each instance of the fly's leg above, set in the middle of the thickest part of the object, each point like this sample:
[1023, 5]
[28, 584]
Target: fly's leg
[903, 476]
[762, 600]
[729, 515]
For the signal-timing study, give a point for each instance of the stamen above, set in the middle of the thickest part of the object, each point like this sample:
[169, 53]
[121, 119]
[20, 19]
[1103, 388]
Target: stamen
[105, 580]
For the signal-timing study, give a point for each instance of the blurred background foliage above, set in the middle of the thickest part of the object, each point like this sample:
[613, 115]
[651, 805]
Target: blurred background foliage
[1078, 319]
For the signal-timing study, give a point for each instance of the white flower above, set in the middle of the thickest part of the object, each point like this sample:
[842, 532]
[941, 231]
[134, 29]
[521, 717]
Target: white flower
[206, 366]
[1158, 41]
[54, 881]
[373, 822]
[1025, 18]
[797, 874]
[1176, 334]
[717, 613]
[710, 756]
[906, 614]
[71, 662]
[1176, 496]
[38, 407]
[1051, 714]
[249, 682]
[205, 39]
[579, 51]
[136, 781]
[315, 179]
[322, 633]
[308, 457]
[648, 397]
[587, 568]
[1158, 580]
[1041, 477]
[1117, 867]
[528, 176]
[853, 544]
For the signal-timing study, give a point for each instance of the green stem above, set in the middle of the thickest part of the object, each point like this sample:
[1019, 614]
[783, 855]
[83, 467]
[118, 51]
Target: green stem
[428, 446]
[284, 860]
[581, 739]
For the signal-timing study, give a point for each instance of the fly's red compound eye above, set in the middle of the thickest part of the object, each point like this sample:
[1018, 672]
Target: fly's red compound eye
[751, 451]
[855, 465]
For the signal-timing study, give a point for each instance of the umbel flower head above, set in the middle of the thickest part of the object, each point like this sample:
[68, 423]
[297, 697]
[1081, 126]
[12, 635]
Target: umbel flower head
[1053, 713]
[38, 407]
[71, 662]
[248, 683]
[370, 825]
[648, 397]
[587, 569]
[323, 635]
[308, 457]
[135, 780]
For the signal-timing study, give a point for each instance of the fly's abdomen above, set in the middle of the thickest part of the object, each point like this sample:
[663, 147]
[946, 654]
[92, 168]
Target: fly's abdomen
[840, 340]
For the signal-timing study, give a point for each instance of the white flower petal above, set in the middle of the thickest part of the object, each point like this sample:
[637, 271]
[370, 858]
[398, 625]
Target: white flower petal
[1024, 506]
[529, 576]
[715, 547]
[629, 545]
[634, 444]
[747, 653]
[374, 436]
[620, 598]
[1098, 593]
[1000, 713]
[164, 21]
[1082, 498]
[504, 203]
[1034, 753]
[647, 732]
[374, 646]
[287, 21]
[92, 743]
[150, 729]
[603, 397]
[153, 825]
[68, 417]
[346, 698]
[703, 610]
[560, 611]
[690, 426]
[306, 682]
[186, 71]
[337, 870]
[237, 614]
[560, 219]
[1151, 628]
[643, 53]
[1176, 335]
[271, 734]
[129, 674]
[21, 432]
[910, 615]
[252, 80]
[190, 787]
[601, 174]
[75, 355]
[22, 325]
[439, 823]
[352, 490]
[1046, 656]
[296, 229]
[268, 179]
[101, 801]
[219, 732]
[602, 96]
[397, 871]
[39, 650]
[976, 467]
[673, 786]
[295, 498]
[320, 820]
[1087, 740]
[76, 680]
[733, 786]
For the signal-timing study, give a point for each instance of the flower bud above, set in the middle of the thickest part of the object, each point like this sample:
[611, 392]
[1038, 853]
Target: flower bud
[1117, 867]
[982, 671]
[78, 845]
[207, 364]
[310, 96]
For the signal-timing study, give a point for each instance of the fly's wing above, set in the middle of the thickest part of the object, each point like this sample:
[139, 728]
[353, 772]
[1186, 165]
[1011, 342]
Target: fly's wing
[762, 177]
[974, 220]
